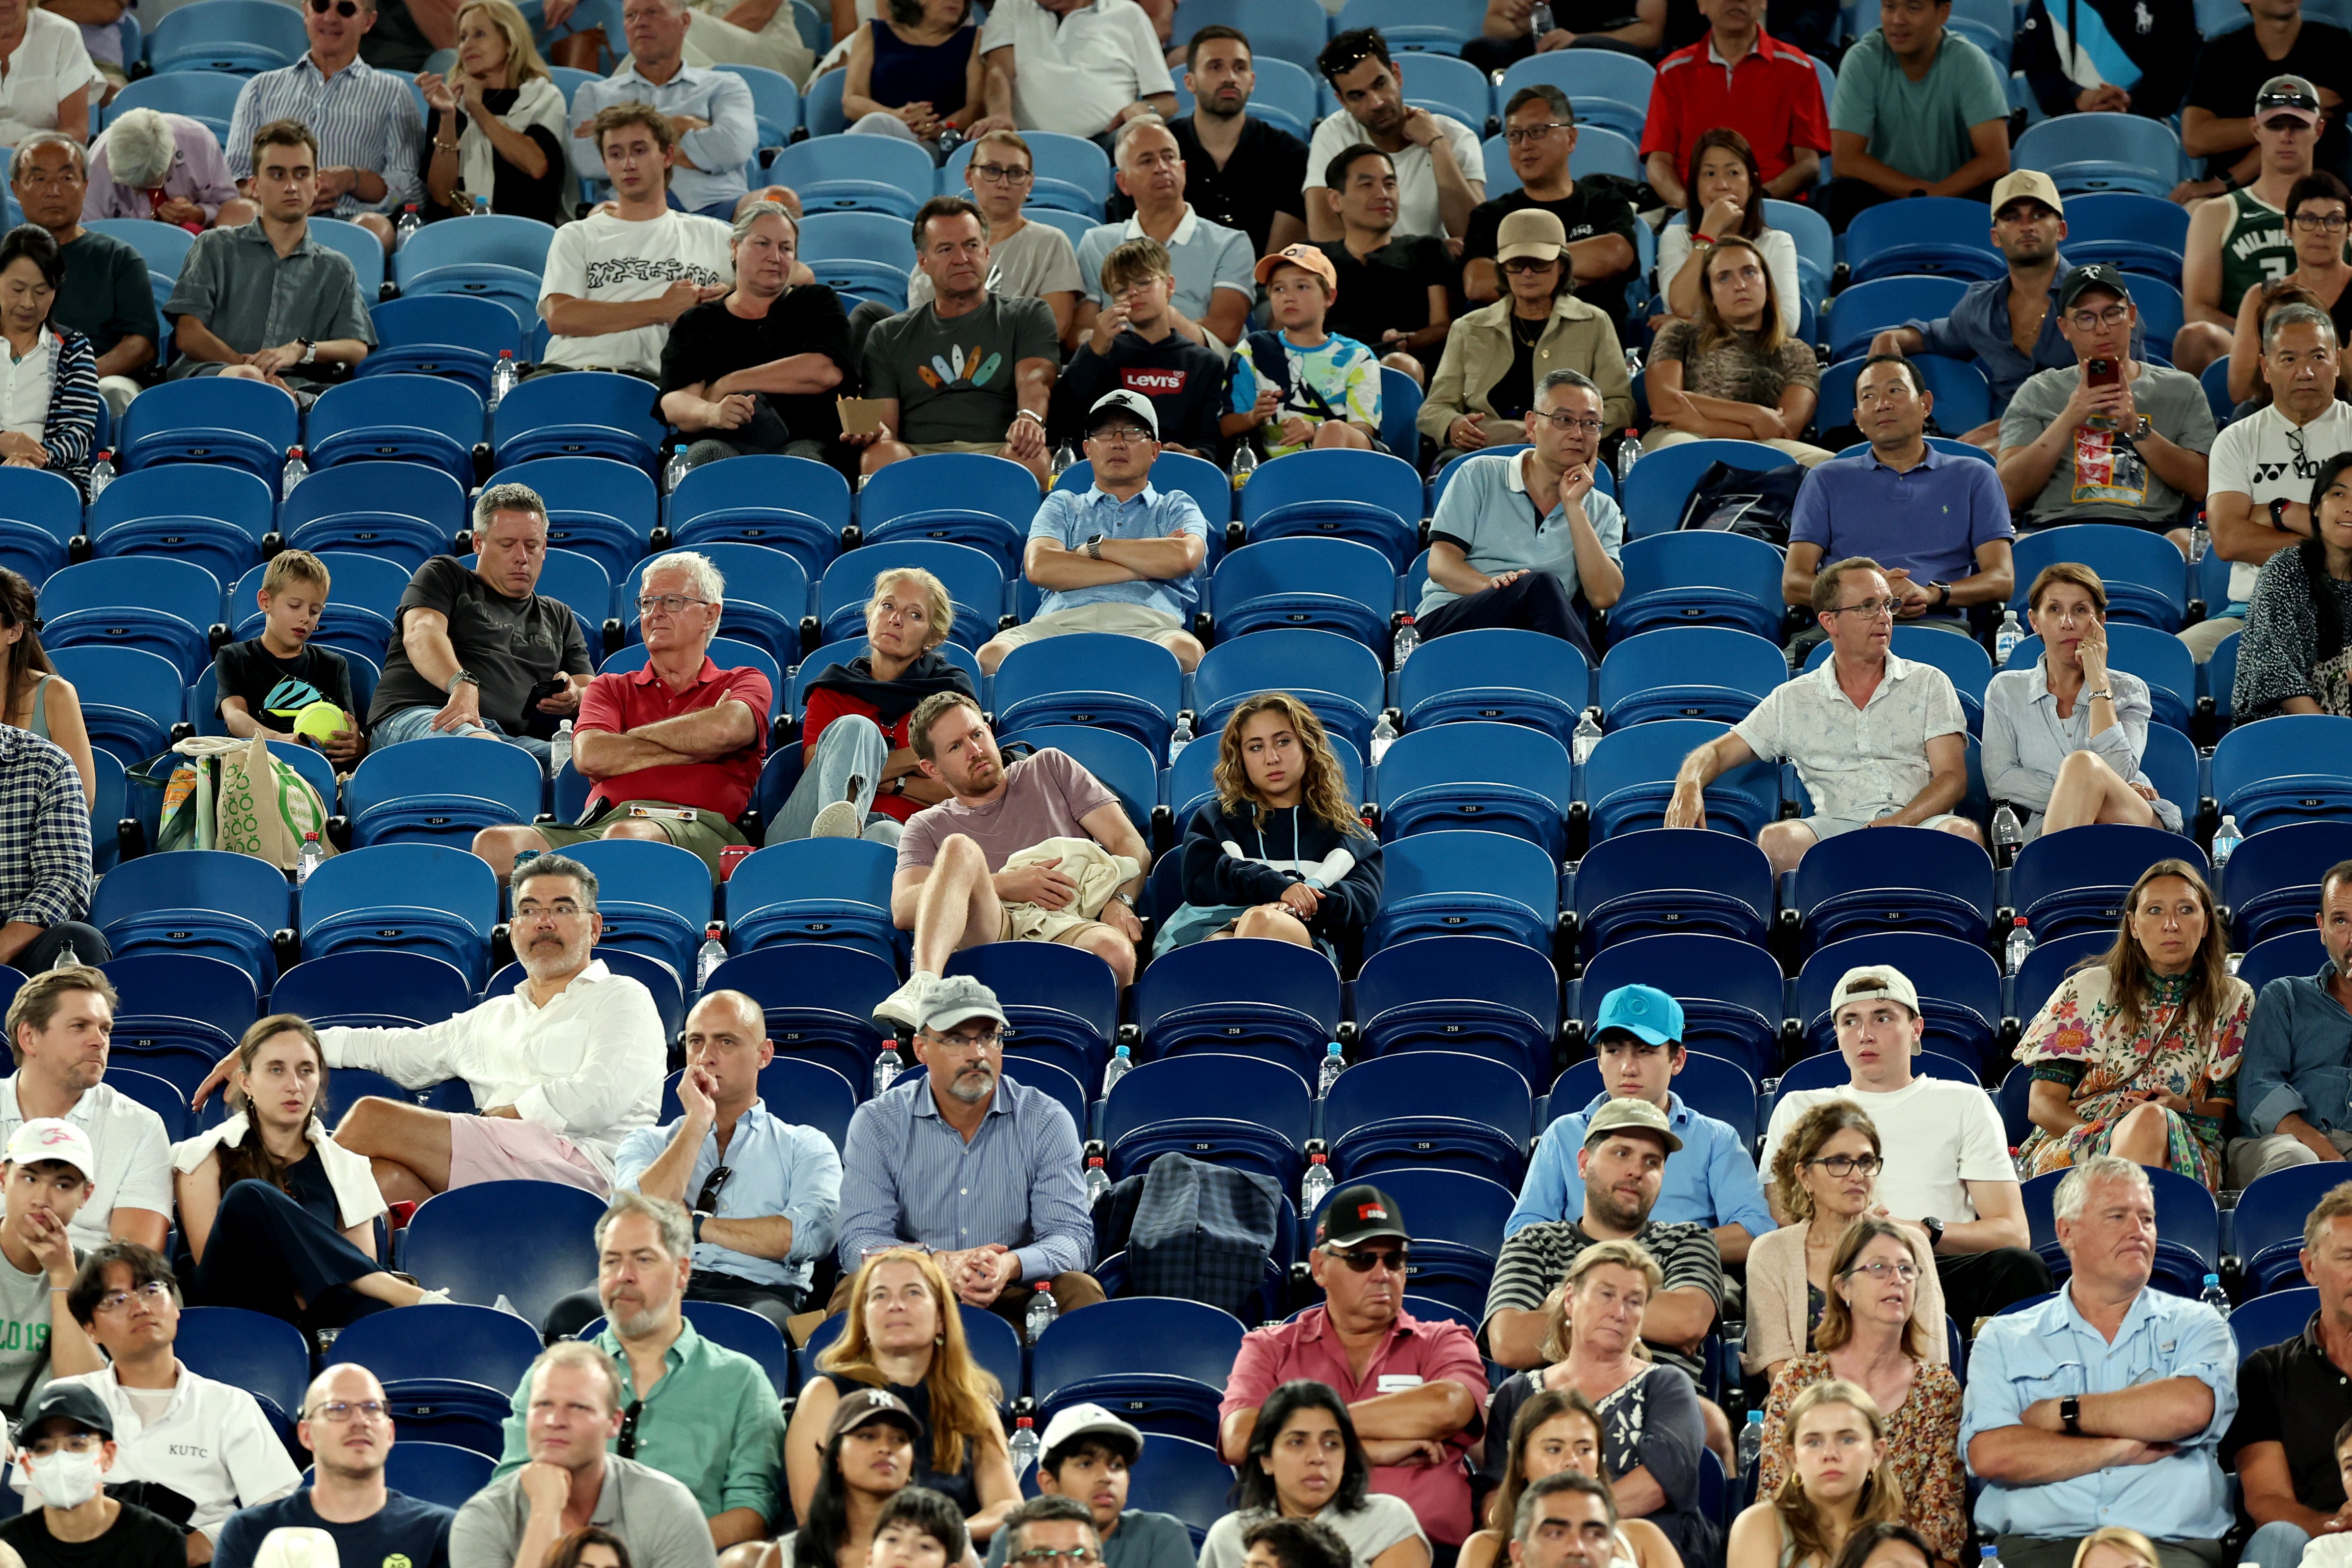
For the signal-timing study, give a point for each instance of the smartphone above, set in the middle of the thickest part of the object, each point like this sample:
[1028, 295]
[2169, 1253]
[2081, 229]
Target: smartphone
[2103, 372]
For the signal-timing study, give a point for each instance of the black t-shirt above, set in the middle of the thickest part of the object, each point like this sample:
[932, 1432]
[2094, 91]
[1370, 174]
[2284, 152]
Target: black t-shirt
[2232, 68]
[511, 644]
[405, 1533]
[1512, 396]
[396, 43]
[276, 689]
[137, 1538]
[107, 295]
[1265, 176]
[1185, 382]
[2292, 1395]
[711, 341]
[1588, 212]
[1389, 287]
[960, 1488]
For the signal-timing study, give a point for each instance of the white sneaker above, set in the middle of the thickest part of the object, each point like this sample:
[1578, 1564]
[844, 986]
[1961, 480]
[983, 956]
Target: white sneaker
[841, 818]
[902, 1009]
[437, 1299]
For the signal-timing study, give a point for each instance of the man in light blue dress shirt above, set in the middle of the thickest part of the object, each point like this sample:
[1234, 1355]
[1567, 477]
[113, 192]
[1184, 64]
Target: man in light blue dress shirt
[1712, 1181]
[710, 111]
[2104, 1405]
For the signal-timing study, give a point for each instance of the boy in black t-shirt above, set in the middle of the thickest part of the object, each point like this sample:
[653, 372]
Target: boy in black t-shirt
[65, 1446]
[267, 680]
[1134, 347]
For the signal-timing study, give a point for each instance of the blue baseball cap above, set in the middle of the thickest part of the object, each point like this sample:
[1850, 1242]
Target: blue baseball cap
[1646, 1012]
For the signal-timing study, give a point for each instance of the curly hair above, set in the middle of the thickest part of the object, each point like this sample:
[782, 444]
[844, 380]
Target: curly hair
[1324, 788]
[1805, 1137]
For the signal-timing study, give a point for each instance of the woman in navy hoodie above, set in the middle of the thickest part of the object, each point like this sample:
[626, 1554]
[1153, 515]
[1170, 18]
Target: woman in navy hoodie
[1280, 854]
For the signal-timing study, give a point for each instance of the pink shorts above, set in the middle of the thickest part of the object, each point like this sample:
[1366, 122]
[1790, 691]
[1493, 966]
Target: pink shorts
[495, 1148]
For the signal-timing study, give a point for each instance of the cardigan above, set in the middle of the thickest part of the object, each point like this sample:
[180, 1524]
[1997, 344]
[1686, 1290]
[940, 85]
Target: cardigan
[1478, 354]
[1777, 1328]
[351, 1175]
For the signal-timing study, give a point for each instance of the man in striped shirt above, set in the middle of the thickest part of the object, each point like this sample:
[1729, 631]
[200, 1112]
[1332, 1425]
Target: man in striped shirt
[367, 121]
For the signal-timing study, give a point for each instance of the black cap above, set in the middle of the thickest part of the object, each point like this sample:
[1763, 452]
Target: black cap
[75, 1402]
[2082, 279]
[1360, 1213]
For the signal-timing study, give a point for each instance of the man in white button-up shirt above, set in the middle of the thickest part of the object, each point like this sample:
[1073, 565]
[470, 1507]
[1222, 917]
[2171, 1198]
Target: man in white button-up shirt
[1879, 741]
[58, 1025]
[564, 1067]
[1083, 68]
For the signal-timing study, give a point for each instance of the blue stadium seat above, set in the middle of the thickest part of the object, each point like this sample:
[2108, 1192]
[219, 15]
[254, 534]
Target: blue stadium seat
[1247, 997]
[404, 513]
[2188, 1230]
[496, 257]
[827, 891]
[1816, 246]
[2271, 882]
[164, 247]
[1466, 883]
[766, 598]
[1198, 477]
[1238, 1108]
[1073, 172]
[158, 1094]
[210, 419]
[832, 176]
[2084, 153]
[351, 624]
[2268, 1228]
[1062, 1003]
[975, 582]
[1688, 672]
[372, 987]
[1698, 577]
[1963, 397]
[422, 419]
[865, 235]
[1938, 237]
[1958, 981]
[2220, 675]
[775, 102]
[154, 603]
[1496, 674]
[600, 505]
[2295, 953]
[581, 582]
[1599, 150]
[587, 413]
[268, 1357]
[1436, 28]
[652, 974]
[109, 806]
[1502, 777]
[207, 902]
[2274, 1319]
[1368, 496]
[1292, 30]
[1866, 309]
[1128, 685]
[129, 698]
[2161, 660]
[214, 517]
[361, 249]
[422, 791]
[40, 517]
[1963, 659]
[797, 1088]
[819, 997]
[2146, 585]
[1853, 886]
[452, 335]
[2049, 963]
[1427, 1108]
[1629, 777]
[441, 1473]
[1339, 679]
[1707, 1084]
[179, 1013]
[241, 38]
[1665, 880]
[2076, 881]
[738, 502]
[2140, 234]
[1731, 993]
[450, 1376]
[1660, 486]
[1477, 995]
[820, 112]
[529, 1242]
[1158, 1362]
[1581, 73]
[208, 96]
[1335, 585]
[738, 1328]
[1400, 402]
[1457, 1228]
[436, 900]
[1175, 1475]
[656, 898]
[2289, 767]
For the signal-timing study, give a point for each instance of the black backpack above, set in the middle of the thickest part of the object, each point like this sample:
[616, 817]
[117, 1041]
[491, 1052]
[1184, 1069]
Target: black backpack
[1743, 501]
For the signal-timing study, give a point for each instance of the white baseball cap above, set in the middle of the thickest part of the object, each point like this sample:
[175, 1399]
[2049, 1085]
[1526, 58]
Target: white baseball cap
[1088, 1421]
[51, 1138]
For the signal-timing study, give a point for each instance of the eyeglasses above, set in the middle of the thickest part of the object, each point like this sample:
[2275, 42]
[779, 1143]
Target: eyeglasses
[1849, 1164]
[992, 173]
[1870, 609]
[1531, 133]
[151, 1292]
[2313, 223]
[71, 1443]
[625, 1445]
[1528, 264]
[343, 1410]
[1048, 1554]
[1120, 436]
[1568, 424]
[2092, 320]
[2305, 469]
[709, 1193]
[1880, 1269]
[973, 1043]
[1362, 1260]
[346, 10]
[667, 604]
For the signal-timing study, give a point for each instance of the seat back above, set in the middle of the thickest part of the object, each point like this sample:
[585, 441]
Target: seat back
[532, 1242]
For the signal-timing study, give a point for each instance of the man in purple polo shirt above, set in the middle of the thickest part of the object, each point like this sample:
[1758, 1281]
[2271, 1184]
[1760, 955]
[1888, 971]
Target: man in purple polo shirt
[1414, 1390]
[1938, 524]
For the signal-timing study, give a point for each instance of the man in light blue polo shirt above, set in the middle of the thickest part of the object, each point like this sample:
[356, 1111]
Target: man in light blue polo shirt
[710, 110]
[1520, 538]
[1215, 287]
[1711, 1181]
[1123, 556]
[2106, 1405]
[1938, 525]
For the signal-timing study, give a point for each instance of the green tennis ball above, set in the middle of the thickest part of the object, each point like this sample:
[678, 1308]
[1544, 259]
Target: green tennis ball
[319, 721]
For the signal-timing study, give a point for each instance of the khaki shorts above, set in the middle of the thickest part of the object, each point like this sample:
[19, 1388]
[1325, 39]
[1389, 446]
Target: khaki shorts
[925, 448]
[1117, 619]
[705, 836]
[1830, 827]
[1035, 923]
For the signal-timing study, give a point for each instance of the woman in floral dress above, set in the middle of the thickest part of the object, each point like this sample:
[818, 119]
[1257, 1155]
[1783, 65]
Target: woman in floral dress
[2137, 1051]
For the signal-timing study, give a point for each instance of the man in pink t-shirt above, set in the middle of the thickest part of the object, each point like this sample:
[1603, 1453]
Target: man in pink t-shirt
[951, 888]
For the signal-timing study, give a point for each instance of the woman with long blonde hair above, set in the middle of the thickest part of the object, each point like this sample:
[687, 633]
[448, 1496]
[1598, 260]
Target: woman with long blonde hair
[903, 1333]
[1838, 1484]
[1281, 853]
[495, 125]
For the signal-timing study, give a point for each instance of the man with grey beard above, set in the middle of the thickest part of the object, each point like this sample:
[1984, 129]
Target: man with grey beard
[977, 1169]
[701, 1415]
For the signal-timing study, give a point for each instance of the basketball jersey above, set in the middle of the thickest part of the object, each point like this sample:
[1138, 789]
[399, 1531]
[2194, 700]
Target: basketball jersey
[2255, 249]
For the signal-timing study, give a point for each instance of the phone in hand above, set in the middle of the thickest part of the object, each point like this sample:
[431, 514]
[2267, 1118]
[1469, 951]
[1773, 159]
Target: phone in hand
[2103, 372]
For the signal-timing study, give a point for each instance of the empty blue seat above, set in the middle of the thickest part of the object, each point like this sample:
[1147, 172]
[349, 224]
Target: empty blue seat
[1427, 1108]
[656, 898]
[129, 698]
[1158, 1362]
[449, 1376]
[404, 513]
[357, 247]
[154, 603]
[160, 1095]
[2295, 953]
[373, 988]
[975, 583]
[1502, 777]
[496, 257]
[242, 38]
[603, 507]
[1176, 1475]
[422, 419]
[441, 1473]
[213, 516]
[1466, 883]
[1867, 308]
[205, 95]
[206, 902]
[990, 501]
[775, 102]
[432, 898]
[1698, 577]
[1958, 981]
[1495, 674]
[424, 790]
[1291, 30]
[743, 501]
[1852, 882]
[588, 414]
[766, 598]
[2268, 1227]
[1436, 28]
[1128, 685]
[2049, 963]
[581, 582]
[1731, 993]
[819, 998]
[1659, 487]
[2084, 154]
[1246, 995]
[1940, 237]
[211, 420]
[1118, 762]
[829, 235]
[1688, 672]
[530, 1241]
[2077, 880]
[452, 335]
[1062, 1003]
[1368, 496]
[839, 176]
[828, 891]
[1235, 1107]
[1319, 584]
[2145, 585]
[268, 1357]
[40, 517]
[2290, 768]
[2274, 1319]
[1338, 678]
[1664, 880]
[2271, 882]
[2139, 233]
[1629, 777]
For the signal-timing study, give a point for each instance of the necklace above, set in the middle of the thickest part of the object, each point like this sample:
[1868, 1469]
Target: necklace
[1528, 334]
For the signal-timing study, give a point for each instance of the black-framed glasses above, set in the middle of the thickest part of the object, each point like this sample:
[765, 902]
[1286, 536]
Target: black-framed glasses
[993, 173]
[2305, 469]
[2315, 223]
[1849, 1164]
[625, 1445]
[709, 1193]
[1362, 1260]
[341, 1410]
[2092, 320]
[1569, 423]
[1522, 133]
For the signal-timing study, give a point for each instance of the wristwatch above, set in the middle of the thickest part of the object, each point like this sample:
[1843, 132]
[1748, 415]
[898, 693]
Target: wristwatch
[2139, 433]
[1126, 898]
[465, 677]
[1943, 592]
[1094, 548]
[2278, 515]
[2070, 1411]
[309, 351]
[699, 1216]
[1935, 1229]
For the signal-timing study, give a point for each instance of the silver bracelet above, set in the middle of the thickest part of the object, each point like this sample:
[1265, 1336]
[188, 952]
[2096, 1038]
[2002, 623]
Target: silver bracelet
[2094, 697]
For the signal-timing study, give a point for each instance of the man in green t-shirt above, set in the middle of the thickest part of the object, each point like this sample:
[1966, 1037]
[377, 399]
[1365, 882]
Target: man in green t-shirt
[1919, 112]
[46, 1181]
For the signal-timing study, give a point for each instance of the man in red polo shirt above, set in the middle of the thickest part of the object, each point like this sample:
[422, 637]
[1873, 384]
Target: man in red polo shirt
[674, 748]
[1414, 1389]
[1738, 76]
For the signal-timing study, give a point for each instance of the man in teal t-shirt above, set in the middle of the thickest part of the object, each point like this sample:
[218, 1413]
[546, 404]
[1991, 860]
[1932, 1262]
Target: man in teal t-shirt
[1919, 110]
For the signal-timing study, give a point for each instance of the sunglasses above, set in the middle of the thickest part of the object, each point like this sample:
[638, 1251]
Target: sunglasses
[346, 10]
[625, 1445]
[709, 1193]
[1363, 1261]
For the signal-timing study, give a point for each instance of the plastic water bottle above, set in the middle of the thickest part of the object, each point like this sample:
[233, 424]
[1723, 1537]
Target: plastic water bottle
[66, 958]
[503, 377]
[482, 207]
[2213, 1296]
[1333, 1065]
[1634, 363]
[1243, 465]
[674, 472]
[1042, 1311]
[1066, 458]
[1988, 1557]
[887, 1065]
[406, 229]
[1629, 452]
[308, 858]
[1179, 737]
[1384, 735]
[1587, 737]
[101, 474]
[559, 751]
[2008, 834]
[1024, 1444]
[2005, 640]
[1407, 639]
[2201, 539]
[294, 473]
[2021, 943]
[1539, 20]
[1121, 1063]
[2226, 839]
[1751, 1441]
[1098, 1179]
[713, 954]
[1316, 1185]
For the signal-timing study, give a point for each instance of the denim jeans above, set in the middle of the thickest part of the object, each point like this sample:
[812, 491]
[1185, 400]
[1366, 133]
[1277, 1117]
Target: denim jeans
[416, 724]
[2275, 1546]
[850, 747]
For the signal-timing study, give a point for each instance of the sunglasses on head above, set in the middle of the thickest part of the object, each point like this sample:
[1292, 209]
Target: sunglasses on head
[346, 10]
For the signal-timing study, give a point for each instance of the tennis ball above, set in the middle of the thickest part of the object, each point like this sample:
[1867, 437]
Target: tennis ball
[319, 720]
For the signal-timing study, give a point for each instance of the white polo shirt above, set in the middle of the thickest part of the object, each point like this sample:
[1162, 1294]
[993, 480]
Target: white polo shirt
[2254, 457]
[1073, 73]
[212, 1444]
[134, 1157]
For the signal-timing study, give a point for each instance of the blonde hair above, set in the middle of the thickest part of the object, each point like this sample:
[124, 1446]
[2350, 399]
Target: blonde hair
[938, 608]
[2122, 1540]
[296, 566]
[523, 63]
[1560, 1335]
[1324, 789]
[963, 1394]
[1837, 1318]
[1880, 1499]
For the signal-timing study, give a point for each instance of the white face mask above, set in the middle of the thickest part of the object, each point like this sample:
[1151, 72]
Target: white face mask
[62, 1479]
